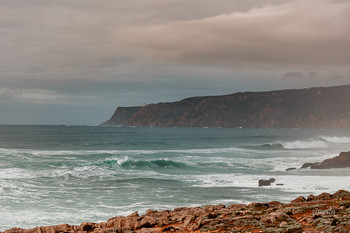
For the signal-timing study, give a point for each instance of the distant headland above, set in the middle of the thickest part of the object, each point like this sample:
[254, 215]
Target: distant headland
[317, 107]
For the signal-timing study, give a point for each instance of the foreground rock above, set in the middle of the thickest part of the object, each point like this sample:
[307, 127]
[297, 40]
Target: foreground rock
[322, 213]
[340, 161]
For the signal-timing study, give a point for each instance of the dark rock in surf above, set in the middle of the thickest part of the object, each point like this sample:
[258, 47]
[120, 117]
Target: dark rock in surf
[310, 165]
[291, 168]
[266, 182]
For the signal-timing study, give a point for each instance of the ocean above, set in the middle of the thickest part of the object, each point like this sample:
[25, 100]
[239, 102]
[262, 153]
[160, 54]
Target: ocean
[51, 175]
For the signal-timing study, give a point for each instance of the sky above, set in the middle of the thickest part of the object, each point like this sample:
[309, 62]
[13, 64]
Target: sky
[75, 61]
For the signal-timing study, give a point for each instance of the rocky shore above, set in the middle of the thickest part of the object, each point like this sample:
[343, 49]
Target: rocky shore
[323, 213]
[340, 161]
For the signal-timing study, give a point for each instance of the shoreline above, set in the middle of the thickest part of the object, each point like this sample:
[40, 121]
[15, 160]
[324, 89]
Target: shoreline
[322, 213]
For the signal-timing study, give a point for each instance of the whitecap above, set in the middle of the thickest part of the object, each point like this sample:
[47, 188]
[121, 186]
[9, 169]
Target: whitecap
[336, 139]
[308, 144]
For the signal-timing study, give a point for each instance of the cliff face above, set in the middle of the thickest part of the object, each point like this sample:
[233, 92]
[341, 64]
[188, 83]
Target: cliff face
[302, 108]
[121, 116]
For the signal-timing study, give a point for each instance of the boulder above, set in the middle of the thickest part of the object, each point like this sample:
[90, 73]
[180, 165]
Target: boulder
[266, 182]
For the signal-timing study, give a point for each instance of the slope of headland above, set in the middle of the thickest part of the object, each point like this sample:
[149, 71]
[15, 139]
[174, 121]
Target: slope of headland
[323, 213]
[319, 107]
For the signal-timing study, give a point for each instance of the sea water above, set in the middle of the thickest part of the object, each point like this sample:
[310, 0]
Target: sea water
[51, 175]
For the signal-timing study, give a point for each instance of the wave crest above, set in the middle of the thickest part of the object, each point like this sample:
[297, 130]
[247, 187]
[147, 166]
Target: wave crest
[127, 163]
[309, 144]
[336, 139]
[298, 144]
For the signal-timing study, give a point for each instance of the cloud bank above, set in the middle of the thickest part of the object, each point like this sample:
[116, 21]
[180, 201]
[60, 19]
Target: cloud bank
[293, 34]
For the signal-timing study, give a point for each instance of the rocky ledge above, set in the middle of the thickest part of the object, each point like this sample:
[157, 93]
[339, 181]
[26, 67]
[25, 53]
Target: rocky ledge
[340, 161]
[323, 213]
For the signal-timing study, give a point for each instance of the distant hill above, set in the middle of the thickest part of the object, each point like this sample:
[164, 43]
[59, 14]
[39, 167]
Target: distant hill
[318, 107]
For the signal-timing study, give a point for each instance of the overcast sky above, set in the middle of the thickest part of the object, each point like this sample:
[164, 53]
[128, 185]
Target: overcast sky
[75, 61]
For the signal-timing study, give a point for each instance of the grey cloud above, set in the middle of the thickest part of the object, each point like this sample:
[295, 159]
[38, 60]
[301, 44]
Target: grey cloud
[299, 33]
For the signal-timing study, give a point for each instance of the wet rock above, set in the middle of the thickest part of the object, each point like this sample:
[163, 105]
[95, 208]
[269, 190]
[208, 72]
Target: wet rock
[266, 182]
[291, 168]
[310, 165]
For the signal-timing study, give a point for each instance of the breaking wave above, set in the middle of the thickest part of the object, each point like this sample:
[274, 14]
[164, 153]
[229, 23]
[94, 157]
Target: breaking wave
[127, 163]
[307, 144]
[336, 139]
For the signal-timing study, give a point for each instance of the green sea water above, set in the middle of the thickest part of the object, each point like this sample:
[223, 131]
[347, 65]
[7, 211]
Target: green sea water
[54, 174]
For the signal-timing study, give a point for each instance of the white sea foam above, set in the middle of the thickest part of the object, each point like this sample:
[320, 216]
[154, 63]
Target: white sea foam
[336, 139]
[308, 144]
[281, 163]
[314, 184]
[14, 173]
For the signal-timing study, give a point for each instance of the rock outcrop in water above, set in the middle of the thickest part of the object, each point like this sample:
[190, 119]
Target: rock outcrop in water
[340, 161]
[262, 182]
[322, 213]
[322, 107]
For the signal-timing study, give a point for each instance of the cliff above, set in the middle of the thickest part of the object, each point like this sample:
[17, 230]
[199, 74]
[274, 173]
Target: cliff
[321, 107]
[121, 116]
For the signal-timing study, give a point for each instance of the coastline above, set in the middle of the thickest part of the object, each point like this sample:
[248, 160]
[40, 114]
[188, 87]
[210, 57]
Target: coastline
[323, 213]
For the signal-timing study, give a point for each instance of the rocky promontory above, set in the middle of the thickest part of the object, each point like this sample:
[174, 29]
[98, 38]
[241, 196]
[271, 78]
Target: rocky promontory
[321, 107]
[340, 161]
[323, 213]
